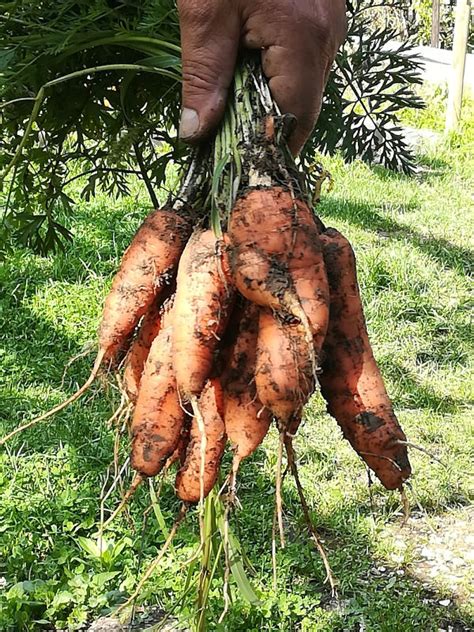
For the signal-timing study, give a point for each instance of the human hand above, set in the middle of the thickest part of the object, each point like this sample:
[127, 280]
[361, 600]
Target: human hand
[298, 39]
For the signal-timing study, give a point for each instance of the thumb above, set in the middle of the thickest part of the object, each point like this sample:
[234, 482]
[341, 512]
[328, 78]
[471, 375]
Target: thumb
[209, 42]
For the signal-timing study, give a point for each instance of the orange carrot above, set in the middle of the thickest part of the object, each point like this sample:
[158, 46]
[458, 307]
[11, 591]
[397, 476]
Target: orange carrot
[179, 454]
[283, 372]
[312, 288]
[202, 308]
[246, 419]
[138, 353]
[199, 473]
[350, 381]
[158, 417]
[147, 266]
[276, 258]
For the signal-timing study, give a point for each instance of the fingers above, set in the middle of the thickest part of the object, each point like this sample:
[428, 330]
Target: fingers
[296, 88]
[299, 41]
[210, 32]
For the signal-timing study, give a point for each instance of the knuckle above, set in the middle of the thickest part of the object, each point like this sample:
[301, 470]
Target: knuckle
[199, 72]
[326, 24]
[193, 10]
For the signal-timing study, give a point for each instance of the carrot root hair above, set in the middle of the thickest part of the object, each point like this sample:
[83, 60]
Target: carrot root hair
[278, 494]
[151, 568]
[414, 446]
[82, 354]
[383, 458]
[134, 485]
[274, 549]
[232, 479]
[95, 370]
[120, 427]
[290, 452]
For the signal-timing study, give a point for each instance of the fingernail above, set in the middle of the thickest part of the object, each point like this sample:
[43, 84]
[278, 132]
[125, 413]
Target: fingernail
[189, 124]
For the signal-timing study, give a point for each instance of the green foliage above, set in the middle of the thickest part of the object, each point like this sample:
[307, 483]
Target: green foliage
[118, 120]
[372, 82]
[108, 123]
[423, 11]
[423, 15]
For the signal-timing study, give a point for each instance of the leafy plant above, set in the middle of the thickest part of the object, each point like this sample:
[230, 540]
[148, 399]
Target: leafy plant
[88, 92]
[91, 90]
[372, 82]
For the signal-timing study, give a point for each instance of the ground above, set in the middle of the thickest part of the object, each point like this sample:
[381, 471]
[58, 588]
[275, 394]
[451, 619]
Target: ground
[413, 240]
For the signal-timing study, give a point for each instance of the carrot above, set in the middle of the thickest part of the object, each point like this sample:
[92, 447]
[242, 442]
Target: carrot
[285, 380]
[283, 372]
[276, 258]
[199, 473]
[158, 417]
[246, 420]
[138, 353]
[312, 288]
[202, 308]
[147, 266]
[179, 454]
[350, 380]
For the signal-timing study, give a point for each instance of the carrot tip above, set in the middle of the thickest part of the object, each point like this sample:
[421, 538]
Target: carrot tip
[405, 505]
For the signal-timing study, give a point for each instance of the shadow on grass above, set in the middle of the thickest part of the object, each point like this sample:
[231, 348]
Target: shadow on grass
[367, 216]
[37, 354]
[100, 239]
[428, 167]
[431, 166]
[39, 349]
[36, 351]
[367, 592]
[367, 588]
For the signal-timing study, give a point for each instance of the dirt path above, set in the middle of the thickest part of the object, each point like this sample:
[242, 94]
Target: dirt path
[442, 552]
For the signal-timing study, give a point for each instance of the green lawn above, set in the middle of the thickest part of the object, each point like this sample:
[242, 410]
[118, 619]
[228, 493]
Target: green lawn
[413, 239]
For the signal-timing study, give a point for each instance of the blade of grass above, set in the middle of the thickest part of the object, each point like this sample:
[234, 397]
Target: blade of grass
[236, 559]
[158, 513]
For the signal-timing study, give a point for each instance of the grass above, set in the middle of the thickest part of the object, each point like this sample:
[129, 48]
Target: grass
[411, 237]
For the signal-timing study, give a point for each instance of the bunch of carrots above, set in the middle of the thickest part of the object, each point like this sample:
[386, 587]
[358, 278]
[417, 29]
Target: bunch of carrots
[229, 321]
[238, 332]
[243, 316]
